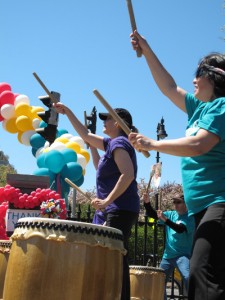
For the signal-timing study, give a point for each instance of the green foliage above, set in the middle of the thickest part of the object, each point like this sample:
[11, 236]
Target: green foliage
[4, 159]
[144, 231]
[5, 168]
[85, 211]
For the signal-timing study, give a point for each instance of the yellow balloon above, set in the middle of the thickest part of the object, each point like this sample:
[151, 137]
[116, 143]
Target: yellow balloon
[85, 153]
[24, 123]
[62, 140]
[19, 136]
[10, 125]
[35, 110]
[23, 109]
[83, 172]
[74, 146]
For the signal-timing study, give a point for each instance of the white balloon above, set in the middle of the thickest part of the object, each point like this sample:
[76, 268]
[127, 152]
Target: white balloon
[46, 145]
[66, 136]
[82, 161]
[39, 151]
[57, 146]
[8, 111]
[35, 123]
[78, 140]
[21, 98]
[3, 124]
[25, 137]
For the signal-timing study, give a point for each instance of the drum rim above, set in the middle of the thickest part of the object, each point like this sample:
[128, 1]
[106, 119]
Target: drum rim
[5, 246]
[147, 268]
[60, 221]
[70, 226]
[5, 242]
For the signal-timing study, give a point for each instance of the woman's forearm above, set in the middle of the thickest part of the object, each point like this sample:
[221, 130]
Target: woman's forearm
[122, 184]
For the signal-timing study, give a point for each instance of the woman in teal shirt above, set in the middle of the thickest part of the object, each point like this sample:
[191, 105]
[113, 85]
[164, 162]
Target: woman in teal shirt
[179, 229]
[202, 164]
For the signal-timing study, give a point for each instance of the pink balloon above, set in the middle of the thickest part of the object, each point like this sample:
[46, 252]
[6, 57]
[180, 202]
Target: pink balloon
[4, 87]
[7, 97]
[16, 94]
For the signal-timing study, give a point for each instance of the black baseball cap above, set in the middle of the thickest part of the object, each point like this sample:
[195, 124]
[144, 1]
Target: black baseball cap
[122, 113]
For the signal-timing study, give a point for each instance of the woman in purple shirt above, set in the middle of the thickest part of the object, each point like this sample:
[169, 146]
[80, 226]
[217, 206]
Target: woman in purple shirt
[117, 191]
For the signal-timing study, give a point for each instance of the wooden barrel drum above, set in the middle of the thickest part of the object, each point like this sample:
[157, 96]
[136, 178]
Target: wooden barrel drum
[147, 283]
[5, 246]
[55, 259]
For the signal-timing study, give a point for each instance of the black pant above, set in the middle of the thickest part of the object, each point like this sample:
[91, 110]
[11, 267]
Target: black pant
[207, 264]
[123, 220]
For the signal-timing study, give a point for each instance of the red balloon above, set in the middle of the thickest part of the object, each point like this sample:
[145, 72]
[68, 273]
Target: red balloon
[4, 87]
[52, 194]
[57, 196]
[7, 97]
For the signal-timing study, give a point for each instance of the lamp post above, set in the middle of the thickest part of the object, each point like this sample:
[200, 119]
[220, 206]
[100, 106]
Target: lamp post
[73, 205]
[161, 134]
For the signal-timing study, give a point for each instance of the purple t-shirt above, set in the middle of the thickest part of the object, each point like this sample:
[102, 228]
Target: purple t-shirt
[108, 175]
[99, 217]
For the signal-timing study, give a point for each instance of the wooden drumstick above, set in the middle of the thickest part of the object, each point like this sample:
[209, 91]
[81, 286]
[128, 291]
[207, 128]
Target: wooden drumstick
[133, 23]
[116, 117]
[45, 88]
[73, 185]
[150, 179]
[86, 125]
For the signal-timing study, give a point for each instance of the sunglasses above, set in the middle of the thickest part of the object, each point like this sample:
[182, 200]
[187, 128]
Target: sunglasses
[200, 72]
[177, 202]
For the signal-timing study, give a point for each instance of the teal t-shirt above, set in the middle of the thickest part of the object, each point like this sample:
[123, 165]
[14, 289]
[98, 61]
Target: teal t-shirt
[178, 244]
[204, 175]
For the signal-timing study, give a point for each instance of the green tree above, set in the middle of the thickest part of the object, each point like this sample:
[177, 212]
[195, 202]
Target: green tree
[5, 168]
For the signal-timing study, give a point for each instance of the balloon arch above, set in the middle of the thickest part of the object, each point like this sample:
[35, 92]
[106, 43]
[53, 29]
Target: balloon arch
[64, 158]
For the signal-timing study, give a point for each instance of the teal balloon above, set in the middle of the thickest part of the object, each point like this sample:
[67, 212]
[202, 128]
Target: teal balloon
[65, 187]
[80, 181]
[37, 141]
[69, 155]
[54, 161]
[45, 172]
[41, 160]
[61, 132]
[43, 124]
[72, 171]
[34, 151]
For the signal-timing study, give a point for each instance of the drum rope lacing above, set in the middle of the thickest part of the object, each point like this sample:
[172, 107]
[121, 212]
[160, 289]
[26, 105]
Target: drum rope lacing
[69, 228]
[5, 244]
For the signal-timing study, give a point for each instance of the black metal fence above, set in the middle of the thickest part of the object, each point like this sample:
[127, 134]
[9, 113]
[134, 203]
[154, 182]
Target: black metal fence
[145, 248]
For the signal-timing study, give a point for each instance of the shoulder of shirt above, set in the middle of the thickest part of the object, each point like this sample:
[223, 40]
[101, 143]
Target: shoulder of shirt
[218, 101]
[121, 140]
[215, 101]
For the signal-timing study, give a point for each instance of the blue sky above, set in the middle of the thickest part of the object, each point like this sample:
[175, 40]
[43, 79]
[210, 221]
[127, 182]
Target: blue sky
[77, 46]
